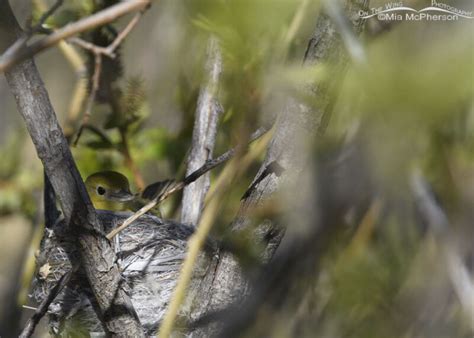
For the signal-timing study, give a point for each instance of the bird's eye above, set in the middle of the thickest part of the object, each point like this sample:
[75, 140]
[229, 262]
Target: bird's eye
[100, 190]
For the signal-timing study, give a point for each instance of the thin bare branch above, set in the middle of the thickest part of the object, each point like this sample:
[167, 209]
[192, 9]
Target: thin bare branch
[167, 192]
[88, 46]
[79, 96]
[94, 89]
[123, 34]
[211, 164]
[27, 307]
[110, 49]
[47, 14]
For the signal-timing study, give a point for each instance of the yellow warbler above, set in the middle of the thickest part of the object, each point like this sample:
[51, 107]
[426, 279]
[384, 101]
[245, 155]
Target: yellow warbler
[110, 190]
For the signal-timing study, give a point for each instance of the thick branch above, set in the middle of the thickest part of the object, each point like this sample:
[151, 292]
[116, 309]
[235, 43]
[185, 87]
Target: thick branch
[204, 136]
[98, 258]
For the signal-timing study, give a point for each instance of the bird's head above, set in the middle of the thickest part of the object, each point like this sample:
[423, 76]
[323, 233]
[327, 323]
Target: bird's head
[109, 190]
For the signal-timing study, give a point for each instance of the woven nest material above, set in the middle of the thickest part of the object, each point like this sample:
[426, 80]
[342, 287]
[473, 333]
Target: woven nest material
[149, 252]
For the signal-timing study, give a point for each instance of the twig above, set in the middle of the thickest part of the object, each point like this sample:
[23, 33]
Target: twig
[43, 307]
[209, 165]
[46, 15]
[103, 136]
[110, 49]
[98, 19]
[98, 50]
[29, 307]
[123, 34]
[207, 114]
[79, 95]
[94, 89]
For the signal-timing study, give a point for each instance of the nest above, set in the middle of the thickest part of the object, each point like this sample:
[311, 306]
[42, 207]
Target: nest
[149, 253]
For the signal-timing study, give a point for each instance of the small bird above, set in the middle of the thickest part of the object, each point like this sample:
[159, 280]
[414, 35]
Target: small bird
[110, 190]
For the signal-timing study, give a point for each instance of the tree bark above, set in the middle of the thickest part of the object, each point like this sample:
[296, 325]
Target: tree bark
[98, 258]
[204, 136]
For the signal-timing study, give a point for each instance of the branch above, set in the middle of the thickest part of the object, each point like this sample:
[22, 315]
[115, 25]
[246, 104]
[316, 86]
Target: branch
[97, 255]
[204, 136]
[92, 95]
[43, 307]
[110, 49]
[101, 134]
[46, 15]
[438, 222]
[98, 19]
[209, 165]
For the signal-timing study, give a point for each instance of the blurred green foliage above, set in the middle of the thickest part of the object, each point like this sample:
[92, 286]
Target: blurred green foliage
[17, 182]
[70, 11]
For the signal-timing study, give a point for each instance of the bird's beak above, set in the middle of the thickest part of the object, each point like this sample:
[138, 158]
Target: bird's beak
[121, 196]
